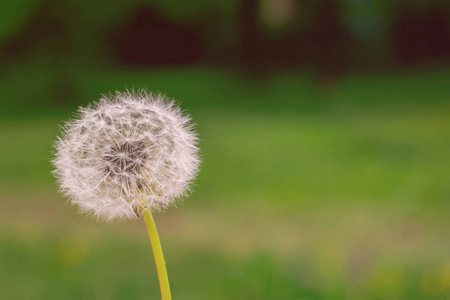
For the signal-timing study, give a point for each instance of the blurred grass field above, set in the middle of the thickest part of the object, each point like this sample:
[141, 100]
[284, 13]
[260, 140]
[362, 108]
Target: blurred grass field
[302, 194]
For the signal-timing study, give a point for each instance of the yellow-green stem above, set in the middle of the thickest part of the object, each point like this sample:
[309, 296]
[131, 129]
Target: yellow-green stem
[159, 257]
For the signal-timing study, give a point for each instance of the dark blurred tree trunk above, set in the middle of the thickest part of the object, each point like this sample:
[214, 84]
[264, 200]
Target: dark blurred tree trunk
[421, 35]
[331, 43]
[250, 36]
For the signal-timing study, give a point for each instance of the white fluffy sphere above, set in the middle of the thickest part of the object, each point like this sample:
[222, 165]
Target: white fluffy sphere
[127, 152]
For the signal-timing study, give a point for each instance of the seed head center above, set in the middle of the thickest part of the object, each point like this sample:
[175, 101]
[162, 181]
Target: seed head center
[125, 159]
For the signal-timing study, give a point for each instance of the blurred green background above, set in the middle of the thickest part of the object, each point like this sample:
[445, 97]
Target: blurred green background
[325, 137]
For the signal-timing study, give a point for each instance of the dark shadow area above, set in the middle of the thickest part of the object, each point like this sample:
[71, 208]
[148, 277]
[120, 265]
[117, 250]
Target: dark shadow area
[148, 39]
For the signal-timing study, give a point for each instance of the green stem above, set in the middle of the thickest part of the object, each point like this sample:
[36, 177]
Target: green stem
[159, 257]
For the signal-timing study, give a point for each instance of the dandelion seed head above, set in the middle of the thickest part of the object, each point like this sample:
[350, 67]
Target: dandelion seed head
[127, 152]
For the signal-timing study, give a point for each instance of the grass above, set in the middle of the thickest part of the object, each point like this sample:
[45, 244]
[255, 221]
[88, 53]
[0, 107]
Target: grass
[285, 158]
[297, 199]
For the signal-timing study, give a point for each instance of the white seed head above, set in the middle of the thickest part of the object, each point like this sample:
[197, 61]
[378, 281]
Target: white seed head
[127, 152]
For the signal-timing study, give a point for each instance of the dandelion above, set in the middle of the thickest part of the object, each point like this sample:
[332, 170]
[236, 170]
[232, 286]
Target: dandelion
[126, 155]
